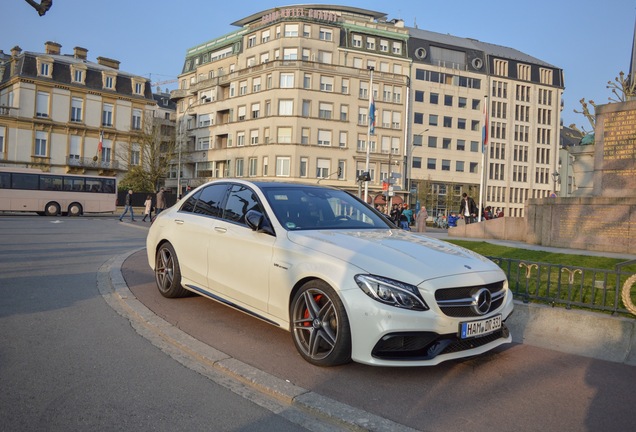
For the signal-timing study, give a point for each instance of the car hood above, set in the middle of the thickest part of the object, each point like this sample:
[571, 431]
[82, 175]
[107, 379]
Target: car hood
[396, 254]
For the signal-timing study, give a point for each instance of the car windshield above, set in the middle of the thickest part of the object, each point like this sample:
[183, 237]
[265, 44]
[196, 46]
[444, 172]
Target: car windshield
[307, 208]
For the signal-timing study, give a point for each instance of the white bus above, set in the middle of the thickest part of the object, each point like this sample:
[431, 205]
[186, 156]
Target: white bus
[31, 190]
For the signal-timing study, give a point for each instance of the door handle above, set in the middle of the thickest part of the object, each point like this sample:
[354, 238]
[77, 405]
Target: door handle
[220, 229]
[179, 221]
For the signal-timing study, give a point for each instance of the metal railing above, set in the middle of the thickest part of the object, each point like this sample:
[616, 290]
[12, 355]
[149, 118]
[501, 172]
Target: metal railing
[569, 286]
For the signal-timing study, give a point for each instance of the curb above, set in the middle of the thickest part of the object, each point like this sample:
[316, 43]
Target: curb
[239, 377]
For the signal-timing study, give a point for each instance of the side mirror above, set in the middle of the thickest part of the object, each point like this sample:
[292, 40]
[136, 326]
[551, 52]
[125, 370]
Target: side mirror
[257, 222]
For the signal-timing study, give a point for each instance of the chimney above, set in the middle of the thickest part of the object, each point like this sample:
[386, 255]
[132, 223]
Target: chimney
[52, 48]
[108, 62]
[80, 53]
[15, 51]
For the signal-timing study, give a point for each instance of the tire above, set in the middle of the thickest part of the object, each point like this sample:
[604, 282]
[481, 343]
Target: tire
[168, 272]
[52, 209]
[75, 209]
[627, 294]
[320, 326]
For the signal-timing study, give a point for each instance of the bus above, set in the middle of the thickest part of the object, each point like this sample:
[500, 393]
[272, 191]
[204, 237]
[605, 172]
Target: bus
[31, 190]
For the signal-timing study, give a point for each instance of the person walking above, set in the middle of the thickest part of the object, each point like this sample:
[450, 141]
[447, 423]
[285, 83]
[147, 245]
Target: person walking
[148, 208]
[468, 209]
[128, 207]
[161, 202]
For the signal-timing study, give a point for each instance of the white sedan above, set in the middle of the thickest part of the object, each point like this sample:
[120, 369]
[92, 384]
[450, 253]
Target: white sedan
[320, 263]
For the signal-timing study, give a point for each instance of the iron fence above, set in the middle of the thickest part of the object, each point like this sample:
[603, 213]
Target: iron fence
[569, 286]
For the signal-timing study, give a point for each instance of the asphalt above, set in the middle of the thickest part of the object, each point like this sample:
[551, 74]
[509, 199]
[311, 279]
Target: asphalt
[604, 337]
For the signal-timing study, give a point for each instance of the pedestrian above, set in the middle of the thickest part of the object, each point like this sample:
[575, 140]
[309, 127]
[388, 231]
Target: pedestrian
[452, 219]
[148, 208]
[128, 207]
[161, 202]
[394, 215]
[406, 211]
[420, 220]
[468, 209]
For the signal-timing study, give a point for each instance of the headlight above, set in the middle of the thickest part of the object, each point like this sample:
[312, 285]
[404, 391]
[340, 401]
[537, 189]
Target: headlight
[391, 292]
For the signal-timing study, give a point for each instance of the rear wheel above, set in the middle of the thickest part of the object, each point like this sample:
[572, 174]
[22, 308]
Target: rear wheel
[75, 209]
[52, 209]
[320, 326]
[168, 273]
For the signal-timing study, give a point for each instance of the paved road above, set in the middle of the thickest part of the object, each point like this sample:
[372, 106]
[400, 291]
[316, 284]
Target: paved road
[70, 362]
[518, 387]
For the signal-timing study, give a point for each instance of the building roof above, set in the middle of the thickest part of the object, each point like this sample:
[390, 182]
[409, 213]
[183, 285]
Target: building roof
[468, 43]
[346, 9]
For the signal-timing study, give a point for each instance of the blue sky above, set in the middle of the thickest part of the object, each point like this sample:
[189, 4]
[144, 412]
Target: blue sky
[589, 39]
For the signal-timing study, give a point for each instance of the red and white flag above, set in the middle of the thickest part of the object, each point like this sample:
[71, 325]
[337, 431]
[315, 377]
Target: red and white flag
[101, 142]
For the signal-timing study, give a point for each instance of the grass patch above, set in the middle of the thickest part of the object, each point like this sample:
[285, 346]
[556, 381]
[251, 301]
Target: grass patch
[580, 281]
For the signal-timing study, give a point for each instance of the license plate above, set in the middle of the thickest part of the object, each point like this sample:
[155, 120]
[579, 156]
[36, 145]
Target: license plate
[473, 329]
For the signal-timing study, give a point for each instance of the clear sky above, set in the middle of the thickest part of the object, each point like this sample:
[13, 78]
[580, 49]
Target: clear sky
[591, 40]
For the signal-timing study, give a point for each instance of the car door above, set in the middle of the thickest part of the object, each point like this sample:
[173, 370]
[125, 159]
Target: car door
[193, 231]
[240, 259]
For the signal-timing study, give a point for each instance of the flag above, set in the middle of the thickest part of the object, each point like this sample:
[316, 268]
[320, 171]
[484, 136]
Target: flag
[101, 141]
[485, 130]
[371, 114]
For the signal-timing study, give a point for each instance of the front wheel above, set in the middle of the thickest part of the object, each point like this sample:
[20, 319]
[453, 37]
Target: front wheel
[320, 326]
[168, 272]
[627, 294]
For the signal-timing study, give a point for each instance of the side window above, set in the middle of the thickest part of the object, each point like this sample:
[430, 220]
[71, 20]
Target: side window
[240, 201]
[190, 203]
[210, 200]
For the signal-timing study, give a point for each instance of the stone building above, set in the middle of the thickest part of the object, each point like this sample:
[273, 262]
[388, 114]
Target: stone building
[287, 97]
[55, 108]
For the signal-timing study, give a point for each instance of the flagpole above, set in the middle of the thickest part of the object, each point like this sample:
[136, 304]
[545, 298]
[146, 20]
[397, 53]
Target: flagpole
[370, 132]
[484, 144]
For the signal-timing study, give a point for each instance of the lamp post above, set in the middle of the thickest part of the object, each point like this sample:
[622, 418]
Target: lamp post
[408, 156]
[555, 178]
[370, 131]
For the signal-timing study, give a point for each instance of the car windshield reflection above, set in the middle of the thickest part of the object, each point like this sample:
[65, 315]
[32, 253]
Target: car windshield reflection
[311, 208]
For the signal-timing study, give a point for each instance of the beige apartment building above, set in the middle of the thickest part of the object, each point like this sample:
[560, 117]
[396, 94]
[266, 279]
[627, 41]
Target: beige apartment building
[55, 108]
[287, 96]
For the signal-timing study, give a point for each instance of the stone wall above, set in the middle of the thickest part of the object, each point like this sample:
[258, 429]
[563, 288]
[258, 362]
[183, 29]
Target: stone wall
[591, 223]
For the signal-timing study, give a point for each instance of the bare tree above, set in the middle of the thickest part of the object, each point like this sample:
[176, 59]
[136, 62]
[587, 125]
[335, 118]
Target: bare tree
[622, 88]
[41, 7]
[148, 155]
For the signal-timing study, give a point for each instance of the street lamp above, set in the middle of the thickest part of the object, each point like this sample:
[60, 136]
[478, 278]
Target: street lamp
[555, 177]
[408, 156]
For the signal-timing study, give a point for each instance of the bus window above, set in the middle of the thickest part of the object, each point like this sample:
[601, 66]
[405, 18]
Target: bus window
[73, 184]
[24, 181]
[49, 182]
[5, 180]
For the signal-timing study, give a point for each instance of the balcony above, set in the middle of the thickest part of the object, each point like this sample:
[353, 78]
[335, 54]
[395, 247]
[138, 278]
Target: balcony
[91, 163]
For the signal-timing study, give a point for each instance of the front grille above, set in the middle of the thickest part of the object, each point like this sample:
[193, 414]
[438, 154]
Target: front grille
[427, 345]
[458, 302]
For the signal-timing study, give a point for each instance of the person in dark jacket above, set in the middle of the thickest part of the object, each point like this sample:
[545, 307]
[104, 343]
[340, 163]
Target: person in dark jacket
[128, 207]
[468, 209]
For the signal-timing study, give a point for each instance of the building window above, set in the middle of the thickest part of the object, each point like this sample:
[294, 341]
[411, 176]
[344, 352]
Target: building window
[304, 162]
[306, 108]
[243, 88]
[326, 84]
[461, 144]
[239, 168]
[342, 165]
[136, 119]
[109, 82]
[283, 165]
[284, 135]
[431, 163]
[325, 110]
[459, 166]
[291, 30]
[325, 34]
[343, 139]
[265, 166]
[304, 136]
[446, 165]
[40, 143]
[448, 100]
[357, 41]
[139, 88]
[461, 123]
[240, 139]
[265, 36]
[135, 155]
[256, 85]
[290, 54]
[256, 110]
[252, 167]
[448, 121]
[324, 137]
[418, 118]
[286, 80]
[307, 81]
[344, 89]
[446, 143]
[107, 115]
[384, 45]
[42, 105]
[419, 96]
[76, 109]
[432, 142]
[322, 168]
[432, 119]
[285, 107]
[434, 98]
[254, 136]
[417, 162]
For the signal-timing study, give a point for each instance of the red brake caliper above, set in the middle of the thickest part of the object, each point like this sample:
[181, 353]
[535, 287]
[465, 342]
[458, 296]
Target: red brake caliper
[306, 314]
